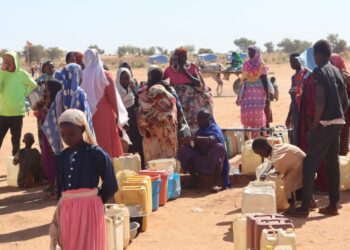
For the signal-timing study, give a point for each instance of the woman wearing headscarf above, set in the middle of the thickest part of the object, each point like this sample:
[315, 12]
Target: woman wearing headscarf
[102, 97]
[339, 62]
[254, 96]
[157, 117]
[126, 89]
[208, 153]
[70, 97]
[189, 85]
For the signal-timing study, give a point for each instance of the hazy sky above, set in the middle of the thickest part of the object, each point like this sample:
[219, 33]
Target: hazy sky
[75, 24]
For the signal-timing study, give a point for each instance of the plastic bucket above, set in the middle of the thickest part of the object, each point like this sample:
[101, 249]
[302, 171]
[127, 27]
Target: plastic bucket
[163, 194]
[156, 181]
[174, 186]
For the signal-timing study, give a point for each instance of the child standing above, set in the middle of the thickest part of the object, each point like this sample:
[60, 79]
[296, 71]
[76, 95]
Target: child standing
[29, 160]
[78, 222]
[276, 95]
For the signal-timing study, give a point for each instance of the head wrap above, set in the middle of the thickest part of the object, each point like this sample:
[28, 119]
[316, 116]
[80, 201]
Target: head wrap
[94, 80]
[338, 61]
[78, 118]
[255, 67]
[180, 51]
[126, 95]
[307, 60]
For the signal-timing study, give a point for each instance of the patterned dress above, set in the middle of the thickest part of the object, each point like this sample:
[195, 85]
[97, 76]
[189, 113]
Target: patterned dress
[157, 119]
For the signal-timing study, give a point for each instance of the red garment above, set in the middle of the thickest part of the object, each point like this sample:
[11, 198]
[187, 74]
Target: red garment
[105, 121]
[338, 62]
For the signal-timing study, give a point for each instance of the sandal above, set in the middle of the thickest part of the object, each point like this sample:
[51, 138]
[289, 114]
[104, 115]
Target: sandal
[216, 189]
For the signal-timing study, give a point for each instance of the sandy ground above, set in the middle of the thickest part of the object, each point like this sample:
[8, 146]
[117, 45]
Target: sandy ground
[26, 214]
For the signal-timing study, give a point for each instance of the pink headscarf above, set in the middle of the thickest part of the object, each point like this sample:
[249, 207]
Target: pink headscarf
[254, 68]
[338, 62]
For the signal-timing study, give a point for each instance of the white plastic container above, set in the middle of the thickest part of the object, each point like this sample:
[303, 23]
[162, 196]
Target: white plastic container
[239, 228]
[281, 131]
[234, 142]
[114, 213]
[128, 161]
[287, 238]
[259, 197]
[109, 233]
[268, 238]
[12, 172]
[126, 225]
[344, 165]
[162, 164]
[250, 160]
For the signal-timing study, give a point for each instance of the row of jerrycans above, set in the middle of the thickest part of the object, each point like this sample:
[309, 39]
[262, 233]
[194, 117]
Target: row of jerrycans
[257, 231]
[137, 190]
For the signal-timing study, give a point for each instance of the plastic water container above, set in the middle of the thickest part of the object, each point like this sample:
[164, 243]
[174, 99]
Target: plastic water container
[268, 238]
[135, 196]
[286, 238]
[122, 175]
[239, 228]
[128, 161]
[274, 140]
[12, 172]
[114, 210]
[163, 194]
[162, 164]
[117, 231]
[259, 197]
[156, 181]
[344, 167]
[281, 131]
[174, 186]
[145, 181]
[281, 196]
[234, 142]
[250, 160]
[109, 233]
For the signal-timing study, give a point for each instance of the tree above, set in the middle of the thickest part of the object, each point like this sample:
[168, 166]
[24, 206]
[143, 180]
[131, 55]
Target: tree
[148, 52]
[190, 48]
[270, 47]
[162, 50]
[338, 45]
[54, 53]
[205, 51]
[291, 46]
[94, 46]
[36, 53]
[243, 43]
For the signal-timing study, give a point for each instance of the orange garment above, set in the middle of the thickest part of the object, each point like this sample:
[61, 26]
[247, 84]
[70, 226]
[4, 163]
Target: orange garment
[105, 121]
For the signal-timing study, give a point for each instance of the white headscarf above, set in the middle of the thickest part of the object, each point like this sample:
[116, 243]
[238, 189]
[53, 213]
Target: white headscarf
[127, 95]
[77, 117]
[94, 80]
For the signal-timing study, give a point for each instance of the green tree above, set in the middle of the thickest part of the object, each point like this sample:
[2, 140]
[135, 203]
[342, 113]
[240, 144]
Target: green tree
[162, 50]
[205, 51]
[36, 53]
[270, 47]
[148, 51]
[289, 46]
[243, 43]
[54, 53]
[94, 46]
[338, 45]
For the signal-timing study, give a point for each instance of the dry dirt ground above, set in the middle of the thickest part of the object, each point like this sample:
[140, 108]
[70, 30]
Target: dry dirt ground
[25, 214]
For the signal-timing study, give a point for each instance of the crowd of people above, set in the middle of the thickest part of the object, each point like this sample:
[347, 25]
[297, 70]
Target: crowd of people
[86, 118]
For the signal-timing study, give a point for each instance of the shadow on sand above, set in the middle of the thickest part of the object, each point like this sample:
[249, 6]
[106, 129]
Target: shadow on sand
[25, 234]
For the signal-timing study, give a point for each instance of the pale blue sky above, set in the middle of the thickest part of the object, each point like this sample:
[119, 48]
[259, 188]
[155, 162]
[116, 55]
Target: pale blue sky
[75, 24]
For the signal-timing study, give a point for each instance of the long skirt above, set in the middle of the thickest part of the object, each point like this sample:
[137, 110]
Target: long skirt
[192, 101]
[204, 164]
[49, 160]
[252, 101]
[134, 135]
[80, 219]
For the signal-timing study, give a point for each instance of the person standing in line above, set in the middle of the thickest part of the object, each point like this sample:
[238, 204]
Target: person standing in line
[15, 85]
[102, 96]
[331, 102]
